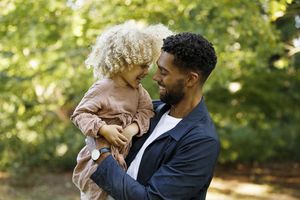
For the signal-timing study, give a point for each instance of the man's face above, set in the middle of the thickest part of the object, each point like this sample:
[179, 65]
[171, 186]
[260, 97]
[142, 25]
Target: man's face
[170, 79]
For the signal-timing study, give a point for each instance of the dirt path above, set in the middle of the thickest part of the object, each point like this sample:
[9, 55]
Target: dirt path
[272, 182]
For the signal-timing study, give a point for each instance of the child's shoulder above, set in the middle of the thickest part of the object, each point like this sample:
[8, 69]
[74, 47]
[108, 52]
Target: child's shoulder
[99, 87]
[142, 90]
[103, 84]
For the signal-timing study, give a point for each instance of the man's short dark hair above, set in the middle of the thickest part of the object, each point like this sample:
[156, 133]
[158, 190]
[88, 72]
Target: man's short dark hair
[192, 52]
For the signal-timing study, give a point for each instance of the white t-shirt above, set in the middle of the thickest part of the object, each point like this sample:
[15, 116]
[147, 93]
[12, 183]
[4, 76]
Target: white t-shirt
[165, 124]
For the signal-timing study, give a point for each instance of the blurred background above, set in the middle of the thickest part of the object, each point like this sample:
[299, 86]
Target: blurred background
[253, 94]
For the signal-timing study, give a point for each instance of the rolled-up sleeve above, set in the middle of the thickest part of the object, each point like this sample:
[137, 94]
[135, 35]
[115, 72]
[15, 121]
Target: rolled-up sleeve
[85, 117]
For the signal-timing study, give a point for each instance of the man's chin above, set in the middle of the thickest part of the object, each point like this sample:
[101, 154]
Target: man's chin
[161, 95]
[162, 98]
[162, 91]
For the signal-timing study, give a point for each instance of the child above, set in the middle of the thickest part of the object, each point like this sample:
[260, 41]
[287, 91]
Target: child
[116, 107]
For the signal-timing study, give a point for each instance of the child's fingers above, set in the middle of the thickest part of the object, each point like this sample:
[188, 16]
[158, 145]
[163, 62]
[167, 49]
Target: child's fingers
[123, 138]
[119, 128]
[121, 143]
[115, 142]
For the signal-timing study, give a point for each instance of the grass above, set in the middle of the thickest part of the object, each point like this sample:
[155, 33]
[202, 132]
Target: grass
[53, 186]
[230, 183]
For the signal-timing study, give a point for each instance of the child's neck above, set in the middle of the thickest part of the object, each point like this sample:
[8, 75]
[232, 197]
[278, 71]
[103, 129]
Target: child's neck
[119, 80]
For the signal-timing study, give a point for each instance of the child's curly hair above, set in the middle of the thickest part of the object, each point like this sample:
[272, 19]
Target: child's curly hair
[125, 45]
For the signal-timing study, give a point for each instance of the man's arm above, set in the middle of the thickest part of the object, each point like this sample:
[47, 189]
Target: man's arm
[188, 172]
[114, 180]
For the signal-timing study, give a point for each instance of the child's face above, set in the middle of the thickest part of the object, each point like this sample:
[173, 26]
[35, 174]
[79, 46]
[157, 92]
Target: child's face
[134, 76]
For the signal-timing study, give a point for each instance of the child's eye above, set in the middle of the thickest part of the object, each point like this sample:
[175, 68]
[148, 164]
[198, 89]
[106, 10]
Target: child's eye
[145, 66]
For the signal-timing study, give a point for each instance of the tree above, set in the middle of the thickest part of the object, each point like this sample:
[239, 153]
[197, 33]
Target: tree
[44, 44]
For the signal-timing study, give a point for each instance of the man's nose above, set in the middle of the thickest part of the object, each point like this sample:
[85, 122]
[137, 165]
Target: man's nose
[155, 76]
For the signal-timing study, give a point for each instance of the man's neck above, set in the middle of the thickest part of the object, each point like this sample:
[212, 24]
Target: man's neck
[186, 105]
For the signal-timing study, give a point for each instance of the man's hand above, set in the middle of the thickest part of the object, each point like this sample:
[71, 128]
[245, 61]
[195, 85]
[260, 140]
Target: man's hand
[113, 134]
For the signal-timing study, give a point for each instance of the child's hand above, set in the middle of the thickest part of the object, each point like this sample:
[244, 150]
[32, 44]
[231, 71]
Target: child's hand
[113, 134]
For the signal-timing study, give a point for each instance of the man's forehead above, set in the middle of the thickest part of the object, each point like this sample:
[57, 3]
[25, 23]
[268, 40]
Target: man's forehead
[165, 58]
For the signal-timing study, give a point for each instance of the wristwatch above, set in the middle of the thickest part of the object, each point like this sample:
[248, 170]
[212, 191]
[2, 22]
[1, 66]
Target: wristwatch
[96, 153]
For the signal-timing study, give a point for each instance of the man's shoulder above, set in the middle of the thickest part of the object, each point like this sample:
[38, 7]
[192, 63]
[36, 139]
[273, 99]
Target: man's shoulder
[202, 132]
[157, 104]
[200, 124]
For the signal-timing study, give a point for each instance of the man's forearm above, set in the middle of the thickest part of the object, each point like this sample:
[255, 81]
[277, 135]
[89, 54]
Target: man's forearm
[114, 180]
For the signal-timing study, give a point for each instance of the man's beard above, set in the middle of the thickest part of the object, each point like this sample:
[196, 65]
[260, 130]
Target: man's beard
[173, 96]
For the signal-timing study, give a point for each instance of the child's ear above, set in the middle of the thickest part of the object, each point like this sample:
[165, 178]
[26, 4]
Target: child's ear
[192, 79]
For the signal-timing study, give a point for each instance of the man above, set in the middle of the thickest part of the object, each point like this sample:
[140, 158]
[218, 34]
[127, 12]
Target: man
[176, 158]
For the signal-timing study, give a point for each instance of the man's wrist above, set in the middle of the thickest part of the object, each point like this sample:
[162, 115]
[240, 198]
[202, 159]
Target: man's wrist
[102, 157]
[97, 153]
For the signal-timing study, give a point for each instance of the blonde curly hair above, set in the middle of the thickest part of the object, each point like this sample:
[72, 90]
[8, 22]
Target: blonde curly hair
[122, 46]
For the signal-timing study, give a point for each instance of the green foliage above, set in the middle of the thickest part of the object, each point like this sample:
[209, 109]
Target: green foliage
[258, 122]
[41, 80]
[42, 74]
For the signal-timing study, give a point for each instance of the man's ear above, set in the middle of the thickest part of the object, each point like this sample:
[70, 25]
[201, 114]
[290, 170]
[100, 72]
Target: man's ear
[192, 79]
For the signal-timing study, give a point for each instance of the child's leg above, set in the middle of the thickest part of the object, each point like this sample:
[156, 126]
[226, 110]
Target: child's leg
[121, 161]
[109, 198]
[93, 192]
[81, 177]
[119, 157]
[83, 196]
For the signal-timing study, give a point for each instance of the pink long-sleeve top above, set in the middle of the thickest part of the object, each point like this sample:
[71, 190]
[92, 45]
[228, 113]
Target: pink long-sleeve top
[108, 103]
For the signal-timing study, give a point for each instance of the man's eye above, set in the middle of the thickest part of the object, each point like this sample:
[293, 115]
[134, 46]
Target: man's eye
[163, 72]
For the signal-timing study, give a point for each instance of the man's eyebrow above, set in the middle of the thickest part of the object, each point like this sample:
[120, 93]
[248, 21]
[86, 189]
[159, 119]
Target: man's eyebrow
[162, 68]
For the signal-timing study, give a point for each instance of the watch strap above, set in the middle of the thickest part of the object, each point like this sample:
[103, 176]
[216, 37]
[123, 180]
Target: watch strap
[104, 150]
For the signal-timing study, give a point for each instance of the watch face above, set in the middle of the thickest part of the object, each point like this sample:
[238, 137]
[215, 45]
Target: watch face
[95, 154]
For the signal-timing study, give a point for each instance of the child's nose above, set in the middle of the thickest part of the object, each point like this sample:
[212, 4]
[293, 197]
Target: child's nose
[146, 71]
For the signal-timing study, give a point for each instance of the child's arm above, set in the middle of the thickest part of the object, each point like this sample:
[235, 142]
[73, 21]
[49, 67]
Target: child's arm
[85, 117]
[144, 111]
[131, 130]
[85, 114]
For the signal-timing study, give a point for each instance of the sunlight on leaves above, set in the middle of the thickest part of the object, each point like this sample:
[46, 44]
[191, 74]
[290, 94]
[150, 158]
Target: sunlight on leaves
[61, 149]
